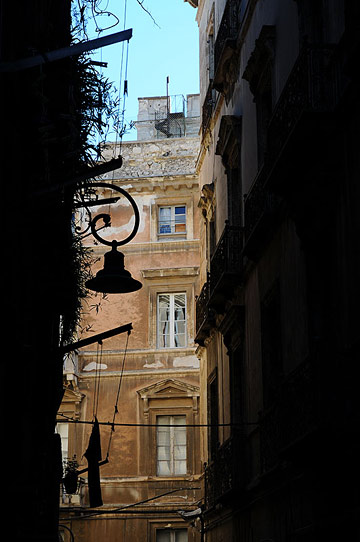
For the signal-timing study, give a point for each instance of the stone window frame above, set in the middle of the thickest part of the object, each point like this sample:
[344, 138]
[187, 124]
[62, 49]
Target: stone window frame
[155, 525]
[169, 397]
[173, 530]
[260, 74]
[171, 280]
[172, 234]
[71, 409]
[171, 201]
[229, 148]
[171, 430]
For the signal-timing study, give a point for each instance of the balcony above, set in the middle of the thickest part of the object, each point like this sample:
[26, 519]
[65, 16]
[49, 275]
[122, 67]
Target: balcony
[300, 120]
[260, 211]
[291, 419]
[204, 314]
[225, 476]
[208, 108]
[311, 89]
[225, 44]
[224, 276]
[225, 266]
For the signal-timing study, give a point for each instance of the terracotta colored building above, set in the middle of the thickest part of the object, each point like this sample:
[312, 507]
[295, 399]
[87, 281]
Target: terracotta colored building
[147, 380]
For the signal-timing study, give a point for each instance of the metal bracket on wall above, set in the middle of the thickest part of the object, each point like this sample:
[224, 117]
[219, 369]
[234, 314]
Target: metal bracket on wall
[59, 54]
[96, 338]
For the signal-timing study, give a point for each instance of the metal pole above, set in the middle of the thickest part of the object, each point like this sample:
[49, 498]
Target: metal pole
[58, 54]
[96, 338]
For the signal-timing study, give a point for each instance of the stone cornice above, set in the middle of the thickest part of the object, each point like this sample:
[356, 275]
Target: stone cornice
[170, 272]
[155, 183]
[157, 247]
[169, 387]
[148, 371]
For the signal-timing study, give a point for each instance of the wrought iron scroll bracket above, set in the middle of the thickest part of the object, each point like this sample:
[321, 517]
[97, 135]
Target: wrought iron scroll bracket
[105, 217]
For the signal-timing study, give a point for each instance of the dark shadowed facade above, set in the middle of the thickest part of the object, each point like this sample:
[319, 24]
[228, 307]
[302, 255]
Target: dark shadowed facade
[41, 148]
[276, 319]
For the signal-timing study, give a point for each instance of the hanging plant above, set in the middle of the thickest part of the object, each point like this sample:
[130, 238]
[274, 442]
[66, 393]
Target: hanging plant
[70, 479]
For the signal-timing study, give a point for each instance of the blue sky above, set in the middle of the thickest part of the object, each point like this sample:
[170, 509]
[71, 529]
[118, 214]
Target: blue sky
[167, 47]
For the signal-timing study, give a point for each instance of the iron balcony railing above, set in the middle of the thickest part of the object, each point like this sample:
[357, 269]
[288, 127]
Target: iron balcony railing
[204, 314]
[225, 263]
[225, 475]
[259, 204]
[311, 88]
[228, 30]
[225, 274]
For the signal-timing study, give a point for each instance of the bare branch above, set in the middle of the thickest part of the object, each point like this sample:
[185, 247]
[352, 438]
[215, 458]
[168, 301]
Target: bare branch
[141, 2]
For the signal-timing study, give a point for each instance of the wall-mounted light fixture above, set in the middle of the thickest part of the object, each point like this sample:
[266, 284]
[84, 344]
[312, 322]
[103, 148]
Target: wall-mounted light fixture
[113, 278]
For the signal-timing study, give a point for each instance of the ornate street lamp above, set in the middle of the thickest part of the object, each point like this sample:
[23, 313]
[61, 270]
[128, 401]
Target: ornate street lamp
[113, 278]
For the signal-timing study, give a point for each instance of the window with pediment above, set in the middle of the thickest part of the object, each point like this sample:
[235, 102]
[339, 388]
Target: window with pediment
[170, 408]
[260, 74]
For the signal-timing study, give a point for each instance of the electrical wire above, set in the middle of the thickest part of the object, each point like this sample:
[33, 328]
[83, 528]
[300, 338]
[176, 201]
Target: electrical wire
[117, 396]
[98, 12]
[121, 508]
[231, 424]
[119, 127]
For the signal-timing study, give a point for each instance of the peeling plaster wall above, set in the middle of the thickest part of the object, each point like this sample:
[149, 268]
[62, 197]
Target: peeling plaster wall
[154, 172]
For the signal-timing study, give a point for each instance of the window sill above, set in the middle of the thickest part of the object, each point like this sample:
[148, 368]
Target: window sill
[171, 477]
[172, 236]
[172, 348]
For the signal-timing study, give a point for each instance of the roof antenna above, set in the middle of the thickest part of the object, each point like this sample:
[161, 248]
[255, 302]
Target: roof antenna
[167, 97]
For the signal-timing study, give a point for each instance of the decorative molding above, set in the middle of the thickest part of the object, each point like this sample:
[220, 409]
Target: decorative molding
[226, 52]
[153, 247]
[193, 3]
[229, 140]
[232, 326]
[169, 388]
[207, 202]
[149, 274]
[158, 183]
[263, 53]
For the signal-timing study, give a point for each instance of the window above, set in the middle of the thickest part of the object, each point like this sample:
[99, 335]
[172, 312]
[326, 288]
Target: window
[171, 445]
[171, 320]
[171, 535]
[63, 430]
[172, 220]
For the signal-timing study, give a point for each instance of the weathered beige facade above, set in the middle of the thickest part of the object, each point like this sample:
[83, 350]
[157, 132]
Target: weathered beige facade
[154, 371]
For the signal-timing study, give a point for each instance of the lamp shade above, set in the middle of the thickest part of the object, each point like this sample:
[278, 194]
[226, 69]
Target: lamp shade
[113, 278]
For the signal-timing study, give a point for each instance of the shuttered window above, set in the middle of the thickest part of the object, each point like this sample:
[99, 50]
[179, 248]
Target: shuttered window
[171, 535]
[171, 320]
[171, 445]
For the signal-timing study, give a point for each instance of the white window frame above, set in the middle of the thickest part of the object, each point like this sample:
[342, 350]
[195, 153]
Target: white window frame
[62, 428]
[172, 220]
[171, 429]
[172, 533]
[172, 334]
